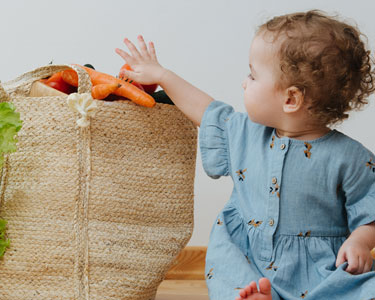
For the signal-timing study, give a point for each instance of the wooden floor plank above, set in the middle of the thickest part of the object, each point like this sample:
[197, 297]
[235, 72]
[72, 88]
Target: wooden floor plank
[189, 265]
[182, 289]
[185, 280]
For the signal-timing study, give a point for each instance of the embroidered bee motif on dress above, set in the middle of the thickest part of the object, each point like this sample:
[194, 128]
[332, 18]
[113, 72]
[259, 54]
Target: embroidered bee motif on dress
[307, 151]
[271, 267]
[219, 222]
[241, 175]
[273, 142]
[275, 189]
[303, 295]
[371, 165]
[306, 234]
[255, 223]
[209, 274]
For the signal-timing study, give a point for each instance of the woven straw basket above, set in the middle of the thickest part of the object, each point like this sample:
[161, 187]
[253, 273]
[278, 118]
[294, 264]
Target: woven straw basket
[99, 212]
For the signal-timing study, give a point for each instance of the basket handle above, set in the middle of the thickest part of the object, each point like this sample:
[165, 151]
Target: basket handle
[28, 78]
[4, 97]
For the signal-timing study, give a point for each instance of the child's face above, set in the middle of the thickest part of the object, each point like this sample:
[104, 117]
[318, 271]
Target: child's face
[263, 101]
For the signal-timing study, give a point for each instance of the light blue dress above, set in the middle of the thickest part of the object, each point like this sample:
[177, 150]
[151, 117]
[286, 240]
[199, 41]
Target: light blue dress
[293, 205]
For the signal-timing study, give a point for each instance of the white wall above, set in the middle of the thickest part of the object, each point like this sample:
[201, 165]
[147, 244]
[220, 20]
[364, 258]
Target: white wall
[205, 41]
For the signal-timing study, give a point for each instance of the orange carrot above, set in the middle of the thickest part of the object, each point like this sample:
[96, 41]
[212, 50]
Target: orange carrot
[101, 91]
[70, 76]
[126, 90]
[54, 77]
[56, 81]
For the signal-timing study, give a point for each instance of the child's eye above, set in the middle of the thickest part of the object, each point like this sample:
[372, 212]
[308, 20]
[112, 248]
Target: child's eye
[250, 76]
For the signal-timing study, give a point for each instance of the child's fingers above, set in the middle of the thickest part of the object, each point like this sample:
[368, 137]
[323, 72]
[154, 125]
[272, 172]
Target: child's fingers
[143, 47]
[361, 265]
[368, 265]
[125, 56]
[341, 258]
[133, 49]
[126, 74]
[352, 264]
[123, 74]
[152, 50]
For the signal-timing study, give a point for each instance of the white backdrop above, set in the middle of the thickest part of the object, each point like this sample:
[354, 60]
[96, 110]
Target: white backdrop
[204, 41]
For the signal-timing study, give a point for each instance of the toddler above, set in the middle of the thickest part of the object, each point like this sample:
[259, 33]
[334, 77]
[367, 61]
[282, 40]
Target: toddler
[301, 216]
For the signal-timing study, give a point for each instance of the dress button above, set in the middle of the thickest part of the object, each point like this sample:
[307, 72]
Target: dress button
[274, 180]
[282, 147]
[271, 222]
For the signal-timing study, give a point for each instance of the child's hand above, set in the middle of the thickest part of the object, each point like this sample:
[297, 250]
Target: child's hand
[145, 66]
[357, 254]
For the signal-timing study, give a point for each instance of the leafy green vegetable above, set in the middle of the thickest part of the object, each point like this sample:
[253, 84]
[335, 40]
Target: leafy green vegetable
[10, 124]
[4, 243]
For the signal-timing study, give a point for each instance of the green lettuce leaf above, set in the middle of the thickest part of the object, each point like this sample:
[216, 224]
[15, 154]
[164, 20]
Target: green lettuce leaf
[4, 243]
[10, 124]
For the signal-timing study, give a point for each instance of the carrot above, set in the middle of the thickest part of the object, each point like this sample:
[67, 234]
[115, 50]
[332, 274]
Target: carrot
[126, 90]
[70, 76]
[55, 77]
[56, 81]
[135, 94]
[101, 91]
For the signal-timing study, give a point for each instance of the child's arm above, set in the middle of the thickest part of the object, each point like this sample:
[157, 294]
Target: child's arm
[356, 250]
[147, 70]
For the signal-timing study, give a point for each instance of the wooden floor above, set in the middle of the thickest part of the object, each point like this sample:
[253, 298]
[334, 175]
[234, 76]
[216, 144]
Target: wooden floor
[185, 280]
[182, 290]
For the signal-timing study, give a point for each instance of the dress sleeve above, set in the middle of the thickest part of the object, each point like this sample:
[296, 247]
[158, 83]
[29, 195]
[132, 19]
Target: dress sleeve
[213, 139]
[359, 188]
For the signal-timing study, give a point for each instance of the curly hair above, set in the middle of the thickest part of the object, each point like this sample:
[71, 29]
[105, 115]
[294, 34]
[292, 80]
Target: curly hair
[326, 59]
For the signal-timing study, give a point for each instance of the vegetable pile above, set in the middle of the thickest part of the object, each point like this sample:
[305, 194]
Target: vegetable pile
[10, 124]
[104, 86]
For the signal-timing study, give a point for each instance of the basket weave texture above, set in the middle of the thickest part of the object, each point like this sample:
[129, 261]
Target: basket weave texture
[99, 212]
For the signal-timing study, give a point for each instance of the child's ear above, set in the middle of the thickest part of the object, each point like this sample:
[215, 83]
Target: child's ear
[293, 100]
